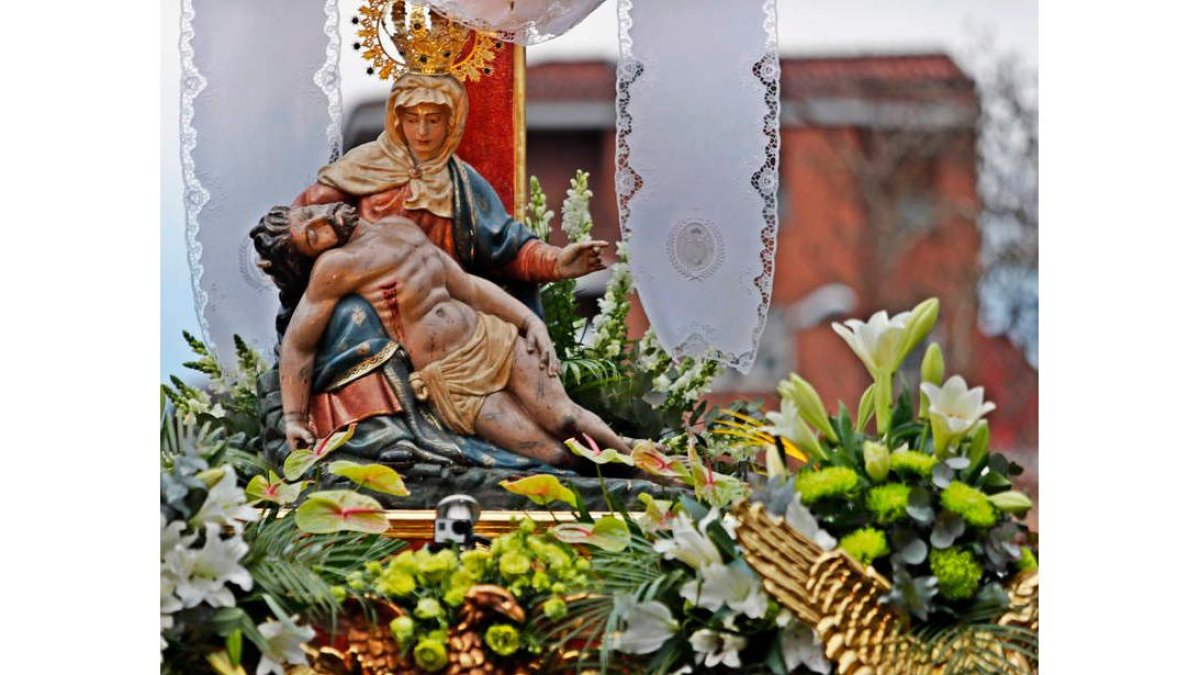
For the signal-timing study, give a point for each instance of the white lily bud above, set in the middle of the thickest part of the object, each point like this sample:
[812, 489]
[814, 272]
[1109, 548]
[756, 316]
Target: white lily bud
[878, 460]
[808, 402]
[924, 316]
[933, 368]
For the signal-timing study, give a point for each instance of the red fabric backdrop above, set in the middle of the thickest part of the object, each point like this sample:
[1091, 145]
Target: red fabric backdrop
[490, 138]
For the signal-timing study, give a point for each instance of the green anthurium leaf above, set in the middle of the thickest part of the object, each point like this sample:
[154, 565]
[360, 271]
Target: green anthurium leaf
[541, 489]
[375, 477]
[609, 533]
[340, 510]
[303, 459]
[592, 452]
[271, 488]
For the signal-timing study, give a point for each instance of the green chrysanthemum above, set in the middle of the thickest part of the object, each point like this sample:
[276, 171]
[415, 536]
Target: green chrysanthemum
[503, 639]
[888, 502]
[395, 583]
[555, 607]
[1027, 561]
[403, 628]
[832, 482]
[476, 562]
[969, 503]
[913, 464]
[430, 655]
[434, 568]
[428, 608]
[865, 545]
[513, 564]
[957, 571]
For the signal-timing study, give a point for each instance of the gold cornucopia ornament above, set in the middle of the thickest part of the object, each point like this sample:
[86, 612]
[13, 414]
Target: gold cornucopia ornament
[397, 37]
[841, 599]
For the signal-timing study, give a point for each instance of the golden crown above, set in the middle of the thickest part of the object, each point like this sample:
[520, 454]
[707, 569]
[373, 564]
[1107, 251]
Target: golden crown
[421, 40]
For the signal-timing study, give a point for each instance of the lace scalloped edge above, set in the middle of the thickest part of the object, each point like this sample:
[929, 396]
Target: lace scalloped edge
[194, 195]
[765, 180]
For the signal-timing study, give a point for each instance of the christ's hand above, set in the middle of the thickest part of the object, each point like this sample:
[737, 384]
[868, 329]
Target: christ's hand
[298, 433]
[537, 339]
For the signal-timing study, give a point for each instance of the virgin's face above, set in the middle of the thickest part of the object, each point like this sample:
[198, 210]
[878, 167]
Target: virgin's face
[425, 127]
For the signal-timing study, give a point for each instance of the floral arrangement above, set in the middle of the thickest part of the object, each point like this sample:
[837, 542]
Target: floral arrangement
[430, 588]
[635, 385]
[236, 580]
[922, 499]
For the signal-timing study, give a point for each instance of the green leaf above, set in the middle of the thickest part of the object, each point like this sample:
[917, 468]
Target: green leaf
[541, 489]
[303, 459]
[609, 533]
[233, 646]
[340, 510]
[866, 408]
[271, 488]
[375, 477]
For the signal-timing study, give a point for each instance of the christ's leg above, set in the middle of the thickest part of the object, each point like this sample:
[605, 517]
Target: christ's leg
[504, 422]
[547, 402]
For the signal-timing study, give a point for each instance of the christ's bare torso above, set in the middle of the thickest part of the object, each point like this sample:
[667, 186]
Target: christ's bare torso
[394, 266]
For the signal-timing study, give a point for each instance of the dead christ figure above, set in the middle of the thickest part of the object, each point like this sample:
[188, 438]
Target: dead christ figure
[485, 359]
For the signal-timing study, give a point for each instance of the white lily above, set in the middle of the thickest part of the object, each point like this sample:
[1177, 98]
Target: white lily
[788, 424]
[225, 504]
[687, 544]
[803, 521]
[201, 574]
[715, 648]
[735, 585]
[285, 640]
[647, 626]
[954, 411]
[879, 342]
[800, 644]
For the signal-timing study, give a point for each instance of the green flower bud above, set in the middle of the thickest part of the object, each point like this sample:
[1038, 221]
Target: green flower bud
[402, 628]
[428, 608]
[374, 568]
[923, 318]
[1011, 502]
[356, 581]
[808, 403]
[878, 460]
[555, 608]
[977, 452]
[933, 368]
[455, 596]
[558, 587]
[430, 655]
[503, 639]
[541, 581]
[339, 593]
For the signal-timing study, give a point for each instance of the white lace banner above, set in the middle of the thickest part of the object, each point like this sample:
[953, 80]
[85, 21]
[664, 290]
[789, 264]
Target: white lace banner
[697, 168]
[261, 112]
[525, 22]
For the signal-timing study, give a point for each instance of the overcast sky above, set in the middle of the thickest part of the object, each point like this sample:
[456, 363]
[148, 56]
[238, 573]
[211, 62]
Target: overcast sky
[806, 27]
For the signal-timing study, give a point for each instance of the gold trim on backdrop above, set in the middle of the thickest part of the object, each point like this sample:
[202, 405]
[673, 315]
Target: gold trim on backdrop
[519, 186]
[418, 523]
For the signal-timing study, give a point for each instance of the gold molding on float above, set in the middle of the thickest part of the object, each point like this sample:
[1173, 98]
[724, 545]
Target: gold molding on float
[418, 523]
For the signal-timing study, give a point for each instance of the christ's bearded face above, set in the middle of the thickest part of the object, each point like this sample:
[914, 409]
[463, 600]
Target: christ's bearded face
[316, 229]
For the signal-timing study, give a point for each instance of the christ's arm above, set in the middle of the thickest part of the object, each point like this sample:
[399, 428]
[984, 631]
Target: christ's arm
[299, 347]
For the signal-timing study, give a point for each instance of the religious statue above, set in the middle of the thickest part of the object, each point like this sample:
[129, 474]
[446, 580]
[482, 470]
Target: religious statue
[482, 358]
[361, 367]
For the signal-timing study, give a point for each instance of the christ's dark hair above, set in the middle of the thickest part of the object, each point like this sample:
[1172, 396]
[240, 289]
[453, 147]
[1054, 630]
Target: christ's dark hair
[285, 265]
